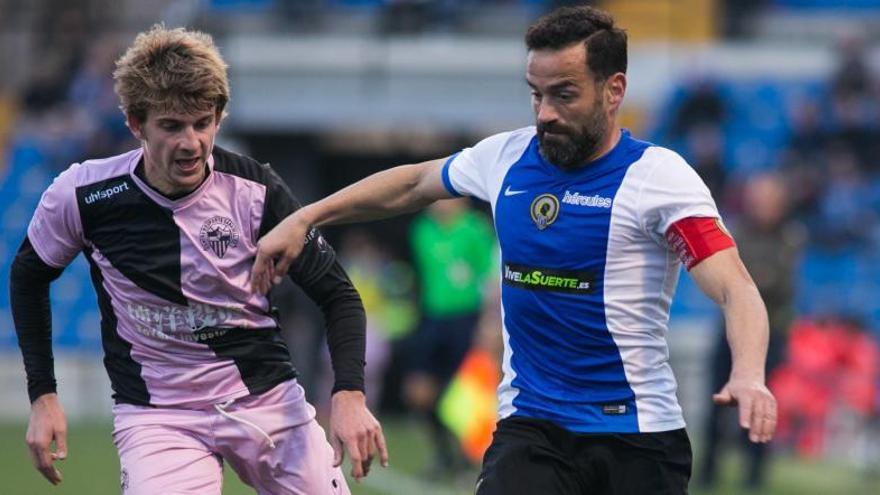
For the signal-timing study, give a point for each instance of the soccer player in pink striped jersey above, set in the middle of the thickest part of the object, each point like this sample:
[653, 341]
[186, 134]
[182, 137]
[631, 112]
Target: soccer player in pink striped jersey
[199, 372]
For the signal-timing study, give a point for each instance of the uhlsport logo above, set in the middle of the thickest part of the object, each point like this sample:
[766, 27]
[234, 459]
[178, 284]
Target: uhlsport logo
[106, 193]
[544, 210]
[219, 235]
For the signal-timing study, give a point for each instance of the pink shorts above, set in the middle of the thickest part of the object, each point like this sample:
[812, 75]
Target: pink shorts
[271, 440]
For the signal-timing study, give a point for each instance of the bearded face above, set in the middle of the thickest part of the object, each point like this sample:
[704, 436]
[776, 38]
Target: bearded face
[570, 145]
[574, 112]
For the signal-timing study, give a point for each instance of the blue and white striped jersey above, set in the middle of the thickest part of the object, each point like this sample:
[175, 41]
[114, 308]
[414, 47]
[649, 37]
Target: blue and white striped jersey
[587, 277]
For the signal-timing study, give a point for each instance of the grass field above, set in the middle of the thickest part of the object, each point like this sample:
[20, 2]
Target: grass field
[92, 469]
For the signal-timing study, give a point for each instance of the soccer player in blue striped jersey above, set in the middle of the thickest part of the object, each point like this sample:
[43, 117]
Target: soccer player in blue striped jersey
[593, 225]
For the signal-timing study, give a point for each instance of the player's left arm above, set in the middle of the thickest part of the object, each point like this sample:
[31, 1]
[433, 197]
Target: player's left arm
[677, 205]
[721, 275]
[353, 428]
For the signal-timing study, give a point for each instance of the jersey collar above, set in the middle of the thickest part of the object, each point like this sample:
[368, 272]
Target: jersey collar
[162, 200]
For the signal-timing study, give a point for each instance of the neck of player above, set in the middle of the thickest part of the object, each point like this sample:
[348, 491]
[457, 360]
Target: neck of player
[608, 144]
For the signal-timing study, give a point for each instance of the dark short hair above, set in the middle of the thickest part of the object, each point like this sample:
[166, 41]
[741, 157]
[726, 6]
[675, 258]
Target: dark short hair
[605, 43]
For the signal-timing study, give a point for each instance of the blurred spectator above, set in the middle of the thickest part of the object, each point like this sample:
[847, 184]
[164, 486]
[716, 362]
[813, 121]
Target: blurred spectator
[802, 161]
[703, 105]
[854, 106]
[452, 247]
[468, 406]
[69, 109]
[91, 96]
[46, 88]
[770, 247]
[808, 136]
[364, 261]
[833, 368]
[738, 15]
[851, 79]
[854, 129]
[385, 286]
[845, 216]
[705, 151]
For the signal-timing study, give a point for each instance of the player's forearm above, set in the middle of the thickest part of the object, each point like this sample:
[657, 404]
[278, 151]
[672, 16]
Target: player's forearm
[747, 331]
[384, 194]
[346, 323]
[29, 296]
[346, 339]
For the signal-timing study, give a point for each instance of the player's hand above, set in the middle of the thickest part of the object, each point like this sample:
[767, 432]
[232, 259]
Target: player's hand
[277, 250]
[354, 429]
[47, 425]
[757, 407]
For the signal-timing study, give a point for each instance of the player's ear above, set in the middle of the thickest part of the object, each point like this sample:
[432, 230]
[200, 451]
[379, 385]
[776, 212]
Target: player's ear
[615, 89]
[135, 126]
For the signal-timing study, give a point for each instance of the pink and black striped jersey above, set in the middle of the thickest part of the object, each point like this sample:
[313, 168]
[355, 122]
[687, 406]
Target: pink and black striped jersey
[181, 325]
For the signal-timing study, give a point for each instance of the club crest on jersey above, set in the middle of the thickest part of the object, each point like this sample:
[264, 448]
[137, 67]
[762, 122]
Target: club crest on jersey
[219, 235]
[544, 210]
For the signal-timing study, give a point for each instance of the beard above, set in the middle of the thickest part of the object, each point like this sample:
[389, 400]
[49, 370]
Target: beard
[569, 147]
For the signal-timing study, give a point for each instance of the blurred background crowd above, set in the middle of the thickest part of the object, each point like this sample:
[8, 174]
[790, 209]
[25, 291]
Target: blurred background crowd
[776, 104]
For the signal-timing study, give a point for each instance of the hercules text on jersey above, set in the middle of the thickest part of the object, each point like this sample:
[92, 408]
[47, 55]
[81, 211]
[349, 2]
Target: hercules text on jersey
[587, 278]
[180, 323]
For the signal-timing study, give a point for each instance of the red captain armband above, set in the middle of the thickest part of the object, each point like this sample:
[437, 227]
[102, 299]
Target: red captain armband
[696, 238]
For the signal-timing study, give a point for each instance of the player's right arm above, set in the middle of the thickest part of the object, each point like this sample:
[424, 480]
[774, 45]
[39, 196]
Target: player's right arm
[29, 292]
[391, 192]
[54, 238]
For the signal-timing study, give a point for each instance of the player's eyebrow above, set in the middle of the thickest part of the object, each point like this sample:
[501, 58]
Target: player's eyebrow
[559, 86]
[562, 85]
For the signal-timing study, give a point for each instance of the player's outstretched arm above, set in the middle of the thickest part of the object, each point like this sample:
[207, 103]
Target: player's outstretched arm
[385, 194]
[724, 278]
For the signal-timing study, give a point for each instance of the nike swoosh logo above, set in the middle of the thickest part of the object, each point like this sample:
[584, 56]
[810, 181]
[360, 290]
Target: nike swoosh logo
[511, 192]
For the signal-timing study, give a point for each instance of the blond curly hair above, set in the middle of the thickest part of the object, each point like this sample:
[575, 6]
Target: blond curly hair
[171, 70]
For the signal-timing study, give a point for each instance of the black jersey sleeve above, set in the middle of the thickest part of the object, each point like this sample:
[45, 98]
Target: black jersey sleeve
[320, 275]
[346, 323]
[317, 256]
[29, 283]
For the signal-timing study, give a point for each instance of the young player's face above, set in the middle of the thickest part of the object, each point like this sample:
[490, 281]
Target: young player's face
[176, 148]
[571, 119]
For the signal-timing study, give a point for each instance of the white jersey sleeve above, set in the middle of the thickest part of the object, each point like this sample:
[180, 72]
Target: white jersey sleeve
[55, 230]
[672, 191]
[478, 171]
